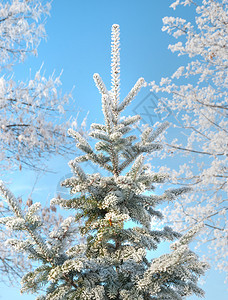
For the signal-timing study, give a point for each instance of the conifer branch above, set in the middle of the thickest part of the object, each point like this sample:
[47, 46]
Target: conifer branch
[100, 84]
[132, 94]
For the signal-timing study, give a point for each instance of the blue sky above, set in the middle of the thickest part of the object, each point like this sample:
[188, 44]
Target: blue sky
[78, 43]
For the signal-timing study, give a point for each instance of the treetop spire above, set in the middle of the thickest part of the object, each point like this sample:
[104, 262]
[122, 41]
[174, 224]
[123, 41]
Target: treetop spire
[115, 63]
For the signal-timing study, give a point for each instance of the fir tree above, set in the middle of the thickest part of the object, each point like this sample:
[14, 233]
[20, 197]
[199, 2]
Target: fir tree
[112, 263]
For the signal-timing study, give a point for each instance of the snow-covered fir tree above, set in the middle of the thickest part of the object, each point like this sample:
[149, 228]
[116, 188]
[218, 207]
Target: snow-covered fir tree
[112, 263]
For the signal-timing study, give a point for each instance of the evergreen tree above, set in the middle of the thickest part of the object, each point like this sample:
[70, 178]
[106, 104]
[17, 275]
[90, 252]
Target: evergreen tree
[112, 263]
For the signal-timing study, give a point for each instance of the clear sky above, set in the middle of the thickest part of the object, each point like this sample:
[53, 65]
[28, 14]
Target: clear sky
[78, 43]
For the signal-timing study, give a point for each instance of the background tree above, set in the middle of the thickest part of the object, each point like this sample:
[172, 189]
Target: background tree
[197, 95]
[30, 126]
[112, 263]
[30, 112]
